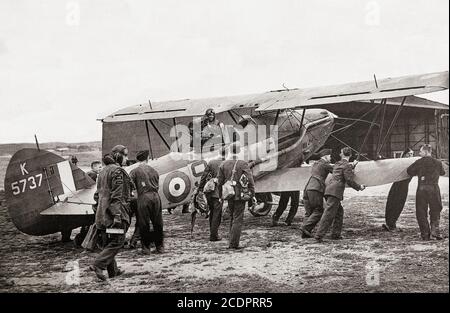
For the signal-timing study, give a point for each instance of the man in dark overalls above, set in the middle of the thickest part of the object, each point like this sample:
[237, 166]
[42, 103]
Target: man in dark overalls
[334, 193]
[213, 198]
[428, 195]
[96, 167]
[244, 186]
[313, 194]
[114, 191]
[396, 199]
[294, 196]
[149, 210]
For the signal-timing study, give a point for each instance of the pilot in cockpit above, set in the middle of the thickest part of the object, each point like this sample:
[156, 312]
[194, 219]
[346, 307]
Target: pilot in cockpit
[212, 129]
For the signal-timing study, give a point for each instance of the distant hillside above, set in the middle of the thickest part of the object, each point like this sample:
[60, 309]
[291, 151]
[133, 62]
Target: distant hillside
[11, 148]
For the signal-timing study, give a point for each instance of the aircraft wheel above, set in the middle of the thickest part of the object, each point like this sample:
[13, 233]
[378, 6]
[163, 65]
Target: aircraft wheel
[263, 206]
[65, 235]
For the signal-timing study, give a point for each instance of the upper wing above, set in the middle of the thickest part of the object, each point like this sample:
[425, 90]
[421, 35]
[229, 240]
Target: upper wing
[180, 108]
[369, 173]
[292, 98]
[360, 91]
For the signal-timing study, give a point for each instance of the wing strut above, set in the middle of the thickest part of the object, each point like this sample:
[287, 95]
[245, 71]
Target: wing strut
[383, 116]
[176, 133]
[276, 117]
[394, 120]
[148, 137]
[232, 116]
[370, 129]
[303, 117]
[160, 136]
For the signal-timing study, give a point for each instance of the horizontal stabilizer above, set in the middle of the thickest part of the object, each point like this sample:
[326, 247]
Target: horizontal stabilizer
[69, 208]
[79, 203]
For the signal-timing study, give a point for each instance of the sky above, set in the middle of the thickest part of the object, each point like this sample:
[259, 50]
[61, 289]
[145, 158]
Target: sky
[65, 64]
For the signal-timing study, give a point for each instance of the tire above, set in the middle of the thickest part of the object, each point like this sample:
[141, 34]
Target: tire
[260, 209]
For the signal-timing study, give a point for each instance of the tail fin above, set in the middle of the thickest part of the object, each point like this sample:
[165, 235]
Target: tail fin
[34, 180]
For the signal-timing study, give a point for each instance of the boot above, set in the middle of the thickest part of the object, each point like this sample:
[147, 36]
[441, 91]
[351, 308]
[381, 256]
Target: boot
[159, 250]
[99, 273]
[146, 251]
[305, 233]
[117, 273]
[435, 232]
[274, 223]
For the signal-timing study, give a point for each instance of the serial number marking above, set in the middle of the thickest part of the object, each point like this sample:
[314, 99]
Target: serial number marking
[20, 186]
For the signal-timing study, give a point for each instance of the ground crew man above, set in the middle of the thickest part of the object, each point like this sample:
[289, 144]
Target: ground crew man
[313, 193]
[114, 189]
[284, 199]
[396, 198]
[74, 160]
[213, 198]
[428, 193]
[334, 193]
[244, 188]
[146, 181]
[96, 167]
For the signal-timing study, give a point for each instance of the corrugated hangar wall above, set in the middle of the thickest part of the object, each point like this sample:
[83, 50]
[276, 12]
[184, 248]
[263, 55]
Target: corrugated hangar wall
[413, 128]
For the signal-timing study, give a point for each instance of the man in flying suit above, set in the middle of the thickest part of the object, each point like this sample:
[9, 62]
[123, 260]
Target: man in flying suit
[313, 194]
[244, 183]
[428, 194]
[334, 193]
[114, 189]
[215, 205]
[146, 181]
[212, 131]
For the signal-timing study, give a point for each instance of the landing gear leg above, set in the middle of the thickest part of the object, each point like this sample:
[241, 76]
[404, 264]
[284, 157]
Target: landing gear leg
[65, 235]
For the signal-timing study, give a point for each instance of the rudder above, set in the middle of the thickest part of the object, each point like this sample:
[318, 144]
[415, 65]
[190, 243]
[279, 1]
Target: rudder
[34, 179]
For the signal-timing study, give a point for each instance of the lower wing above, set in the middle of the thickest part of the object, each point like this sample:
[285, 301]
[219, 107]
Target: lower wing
[369, 173]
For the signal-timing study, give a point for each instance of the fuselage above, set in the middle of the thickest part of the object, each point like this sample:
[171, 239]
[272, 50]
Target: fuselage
[294, 140]
[34, 179]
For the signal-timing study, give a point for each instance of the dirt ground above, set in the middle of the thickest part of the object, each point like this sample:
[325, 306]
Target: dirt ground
[273, 260]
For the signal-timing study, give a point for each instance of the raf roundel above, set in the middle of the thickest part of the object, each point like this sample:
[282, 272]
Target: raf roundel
[176, 186]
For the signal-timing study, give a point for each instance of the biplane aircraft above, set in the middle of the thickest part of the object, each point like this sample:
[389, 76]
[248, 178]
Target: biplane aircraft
[46, 193]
